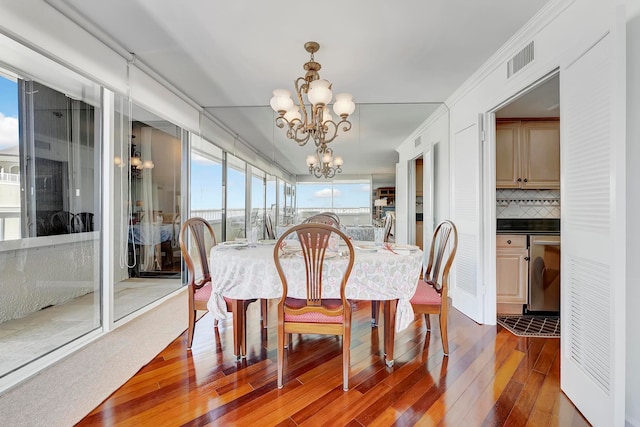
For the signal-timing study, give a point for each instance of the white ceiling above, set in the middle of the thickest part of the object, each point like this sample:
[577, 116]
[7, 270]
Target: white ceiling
[399, 60]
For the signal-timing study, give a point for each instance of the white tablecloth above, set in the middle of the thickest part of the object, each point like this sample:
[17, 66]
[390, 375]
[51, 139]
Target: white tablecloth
[360, 232]
[247, 273]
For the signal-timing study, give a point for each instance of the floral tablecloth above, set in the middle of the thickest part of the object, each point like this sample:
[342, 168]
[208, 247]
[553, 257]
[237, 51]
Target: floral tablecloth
[247, 273]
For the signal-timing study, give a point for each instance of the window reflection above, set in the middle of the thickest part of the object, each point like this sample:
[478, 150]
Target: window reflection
[147, 165]
[50, 191]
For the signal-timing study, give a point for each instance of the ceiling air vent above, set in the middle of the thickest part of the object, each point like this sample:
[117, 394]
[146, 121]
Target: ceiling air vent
[417, 142]
[520, 59]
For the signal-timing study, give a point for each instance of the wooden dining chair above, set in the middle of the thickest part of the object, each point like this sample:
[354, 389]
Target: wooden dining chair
[432, 293]
[328, 218]
[315, 314]
[196, 240]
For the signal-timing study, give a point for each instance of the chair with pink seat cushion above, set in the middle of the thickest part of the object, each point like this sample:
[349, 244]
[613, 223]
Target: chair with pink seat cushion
[315, 314]
[196, 240]
[431, 295]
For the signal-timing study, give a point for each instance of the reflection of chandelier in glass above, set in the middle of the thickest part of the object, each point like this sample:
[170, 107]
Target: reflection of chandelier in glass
[136, 162]
[316, 123]
[323, 164]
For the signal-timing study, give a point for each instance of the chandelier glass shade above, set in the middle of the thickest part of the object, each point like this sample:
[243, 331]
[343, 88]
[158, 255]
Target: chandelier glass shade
[311, 119]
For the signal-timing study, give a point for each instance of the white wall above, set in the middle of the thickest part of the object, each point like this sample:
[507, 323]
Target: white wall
[556, 31]
[633, 207]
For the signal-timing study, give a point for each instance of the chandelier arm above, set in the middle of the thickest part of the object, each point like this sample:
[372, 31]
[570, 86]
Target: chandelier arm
[347, 125]
[281, 121]
[331, 129]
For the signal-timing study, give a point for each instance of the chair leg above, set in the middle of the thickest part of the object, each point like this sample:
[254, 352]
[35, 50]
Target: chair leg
[427, 321]
[346, 353]
[375, 313]
[263, 312]
[281, 347]
[192, 326]
[443, 333]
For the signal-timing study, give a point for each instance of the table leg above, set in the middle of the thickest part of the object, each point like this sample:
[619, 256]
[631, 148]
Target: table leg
[239, 334]
[375, 312]
[389, 329]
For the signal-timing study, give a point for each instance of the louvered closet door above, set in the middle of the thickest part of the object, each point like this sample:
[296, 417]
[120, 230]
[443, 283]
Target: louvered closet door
[592, 121]
[466, 214]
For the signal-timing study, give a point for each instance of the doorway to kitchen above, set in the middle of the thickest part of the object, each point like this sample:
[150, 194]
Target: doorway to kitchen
[527, 205]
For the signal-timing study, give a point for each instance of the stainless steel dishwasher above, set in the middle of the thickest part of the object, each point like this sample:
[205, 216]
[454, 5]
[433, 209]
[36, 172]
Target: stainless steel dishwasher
[544, 273]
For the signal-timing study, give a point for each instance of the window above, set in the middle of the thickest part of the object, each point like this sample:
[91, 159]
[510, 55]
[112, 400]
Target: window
[236, 197]
[206, 183]
[257, 200]
[351, 200]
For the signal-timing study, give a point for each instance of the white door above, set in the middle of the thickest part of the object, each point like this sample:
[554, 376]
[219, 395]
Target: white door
[402, 192]
[466, 178]
[592, 120]
[427, 197]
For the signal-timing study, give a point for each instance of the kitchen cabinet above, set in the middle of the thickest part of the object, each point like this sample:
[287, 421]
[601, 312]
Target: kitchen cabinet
[419, 234]
[528, 154]
[512, 261]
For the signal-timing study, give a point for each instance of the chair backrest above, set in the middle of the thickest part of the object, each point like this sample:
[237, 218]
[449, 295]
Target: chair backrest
[388, 224]
[175, 223]
[196, 240]
[268, 227]
[86, 218]
[314, 241]
[64, 222]
[328, 218]
[444, 245]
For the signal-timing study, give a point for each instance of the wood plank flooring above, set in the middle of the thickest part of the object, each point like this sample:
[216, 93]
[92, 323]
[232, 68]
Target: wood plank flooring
[491, 378]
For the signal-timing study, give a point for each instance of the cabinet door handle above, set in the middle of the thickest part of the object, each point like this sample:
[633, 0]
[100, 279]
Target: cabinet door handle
[526, 180]
[527, 258]
[508, 242]
[519, 179]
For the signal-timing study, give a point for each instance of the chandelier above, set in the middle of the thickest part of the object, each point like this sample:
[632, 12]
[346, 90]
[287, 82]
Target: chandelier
[323, 164]
[312, 119]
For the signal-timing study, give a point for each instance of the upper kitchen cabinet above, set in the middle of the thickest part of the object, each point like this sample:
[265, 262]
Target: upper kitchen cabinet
[528, 154]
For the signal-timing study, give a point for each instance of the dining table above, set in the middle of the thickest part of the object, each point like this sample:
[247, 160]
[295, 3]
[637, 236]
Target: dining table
[388, 274]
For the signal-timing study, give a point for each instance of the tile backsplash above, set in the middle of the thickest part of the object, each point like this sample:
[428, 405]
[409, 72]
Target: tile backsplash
[516, 203]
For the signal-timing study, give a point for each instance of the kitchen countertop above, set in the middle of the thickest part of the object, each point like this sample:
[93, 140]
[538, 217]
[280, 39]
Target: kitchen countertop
[540, 226]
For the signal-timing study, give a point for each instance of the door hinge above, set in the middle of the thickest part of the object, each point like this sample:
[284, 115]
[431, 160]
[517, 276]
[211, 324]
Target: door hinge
[482, 136]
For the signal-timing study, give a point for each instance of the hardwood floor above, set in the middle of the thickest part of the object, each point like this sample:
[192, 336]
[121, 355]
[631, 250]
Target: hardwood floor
[491, 378]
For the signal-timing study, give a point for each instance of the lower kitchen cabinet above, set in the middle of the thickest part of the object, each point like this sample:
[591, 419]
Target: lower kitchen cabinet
[512, 258]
